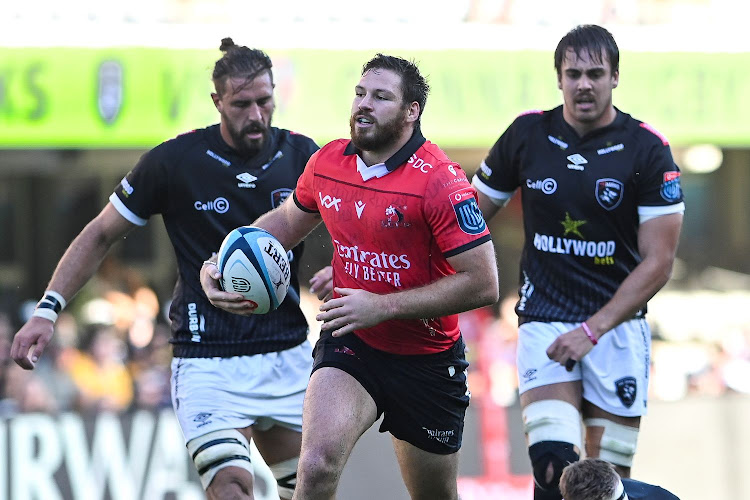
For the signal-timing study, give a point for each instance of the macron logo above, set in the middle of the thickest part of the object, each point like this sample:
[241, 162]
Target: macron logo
[359, 206]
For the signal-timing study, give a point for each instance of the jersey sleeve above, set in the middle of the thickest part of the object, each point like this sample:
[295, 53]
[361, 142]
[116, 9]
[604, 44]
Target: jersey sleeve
[143, 192]
[304, 194]
[497, 177]
[658, 182]
[452, 211]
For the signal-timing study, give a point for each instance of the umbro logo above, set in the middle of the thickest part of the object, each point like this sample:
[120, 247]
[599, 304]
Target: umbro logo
[329, 201]
[246, 180]
[359, 206]
[576, 162]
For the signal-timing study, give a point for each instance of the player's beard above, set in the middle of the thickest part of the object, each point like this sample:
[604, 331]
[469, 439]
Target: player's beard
[378, 137]
[246, 146]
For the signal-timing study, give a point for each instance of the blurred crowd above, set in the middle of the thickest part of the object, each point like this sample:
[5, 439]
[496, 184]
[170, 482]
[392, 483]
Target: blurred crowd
[111, 352]
[499, 12]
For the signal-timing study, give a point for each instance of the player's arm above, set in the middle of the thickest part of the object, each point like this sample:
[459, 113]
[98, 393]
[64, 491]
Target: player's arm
[488, 207]
[475, 284]
[657, 243]
[77, 265]
[289, 224]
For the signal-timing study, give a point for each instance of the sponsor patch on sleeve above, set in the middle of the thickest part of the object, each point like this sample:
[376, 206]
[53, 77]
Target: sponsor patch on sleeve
[670, 186]
[469, 216]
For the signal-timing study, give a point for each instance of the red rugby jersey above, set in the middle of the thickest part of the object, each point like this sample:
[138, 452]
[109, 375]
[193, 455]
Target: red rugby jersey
[392, 226]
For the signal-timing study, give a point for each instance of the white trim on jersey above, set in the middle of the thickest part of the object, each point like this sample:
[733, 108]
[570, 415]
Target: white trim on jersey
[125, 211]
[499, 198]
[378, 170]
[647, 213]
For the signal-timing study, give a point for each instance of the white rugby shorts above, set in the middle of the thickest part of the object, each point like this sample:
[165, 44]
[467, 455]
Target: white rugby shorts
[210, 394]
[614, 373]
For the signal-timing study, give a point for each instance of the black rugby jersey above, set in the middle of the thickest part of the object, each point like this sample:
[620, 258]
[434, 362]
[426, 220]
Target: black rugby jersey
[203, 188]
[638, 490]
[581, 199]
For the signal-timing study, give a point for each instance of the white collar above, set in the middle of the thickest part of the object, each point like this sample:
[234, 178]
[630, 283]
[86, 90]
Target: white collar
[620, 492]
[378, 170]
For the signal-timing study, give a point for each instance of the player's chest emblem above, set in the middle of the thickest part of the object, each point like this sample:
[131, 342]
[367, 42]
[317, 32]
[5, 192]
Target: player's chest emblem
[609, 192]
[394, 217]
[278, 196]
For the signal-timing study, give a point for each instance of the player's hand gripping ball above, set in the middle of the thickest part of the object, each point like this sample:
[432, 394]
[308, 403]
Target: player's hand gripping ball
[253, 262]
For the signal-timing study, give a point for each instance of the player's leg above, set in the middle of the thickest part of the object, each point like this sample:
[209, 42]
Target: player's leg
[280, 448]
[551, 405]
[552, 423]
[611, 437]
[278, 432]
[427, 475]
[222, 459]
[338, 410]
[216, 400]
[615, 391]
[426, 401]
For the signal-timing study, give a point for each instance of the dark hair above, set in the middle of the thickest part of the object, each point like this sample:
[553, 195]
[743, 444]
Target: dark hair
[588, 479]
[239, 61]
[414, 86]
[590, 38]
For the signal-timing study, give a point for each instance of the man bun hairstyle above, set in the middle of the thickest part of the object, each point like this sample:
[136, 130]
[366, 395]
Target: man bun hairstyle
[414, 86]
[239, 61]
[592, 39]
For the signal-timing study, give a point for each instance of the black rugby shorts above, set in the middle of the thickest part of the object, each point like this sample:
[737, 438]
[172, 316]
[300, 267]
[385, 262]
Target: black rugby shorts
[423, 397]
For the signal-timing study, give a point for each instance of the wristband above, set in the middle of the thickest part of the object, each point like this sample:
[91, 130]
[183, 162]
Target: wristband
[50, 306]
[588, 333]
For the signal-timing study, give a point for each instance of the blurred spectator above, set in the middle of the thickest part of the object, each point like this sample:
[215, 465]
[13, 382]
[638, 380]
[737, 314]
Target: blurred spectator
[150, 368]
[99, 371]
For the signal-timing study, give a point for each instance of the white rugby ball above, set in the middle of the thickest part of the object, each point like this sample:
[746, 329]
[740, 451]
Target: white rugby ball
[253, 262]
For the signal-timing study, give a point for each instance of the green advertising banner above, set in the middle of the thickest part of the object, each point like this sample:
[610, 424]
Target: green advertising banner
[138, 97]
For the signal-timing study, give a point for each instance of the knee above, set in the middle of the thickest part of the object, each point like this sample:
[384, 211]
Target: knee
[554, 433]
[231, 484]
[319, 468]
[548, 459]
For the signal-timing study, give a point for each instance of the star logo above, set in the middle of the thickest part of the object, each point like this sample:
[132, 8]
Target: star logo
[571, 226]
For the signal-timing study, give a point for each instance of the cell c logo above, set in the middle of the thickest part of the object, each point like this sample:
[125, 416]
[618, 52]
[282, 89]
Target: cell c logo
[219, 205]
[546, 186]
[549, 186]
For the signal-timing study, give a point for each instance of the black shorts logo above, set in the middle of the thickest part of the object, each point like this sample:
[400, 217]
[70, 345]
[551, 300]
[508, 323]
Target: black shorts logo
[626, 390]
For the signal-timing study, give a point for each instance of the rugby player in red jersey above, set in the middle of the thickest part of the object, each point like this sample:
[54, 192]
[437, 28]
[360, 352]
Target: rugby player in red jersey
[411, 251]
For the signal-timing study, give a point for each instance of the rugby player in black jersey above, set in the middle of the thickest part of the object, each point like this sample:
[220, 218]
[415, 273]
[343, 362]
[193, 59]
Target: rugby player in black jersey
[595, 479]
[234, 378]
[602, 213]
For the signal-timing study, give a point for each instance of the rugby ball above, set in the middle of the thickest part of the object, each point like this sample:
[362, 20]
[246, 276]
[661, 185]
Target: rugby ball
[253, 262]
